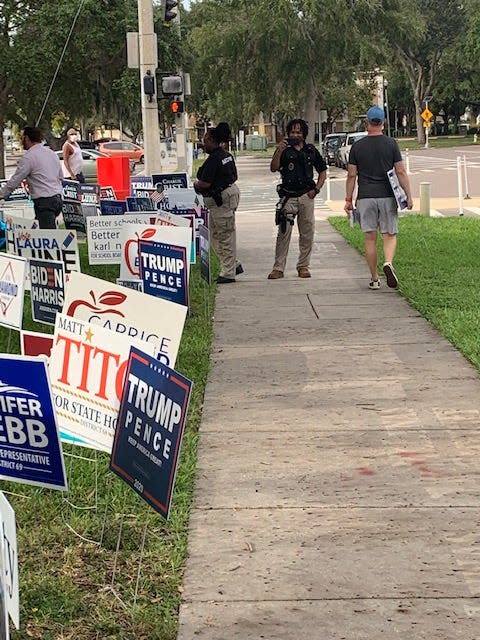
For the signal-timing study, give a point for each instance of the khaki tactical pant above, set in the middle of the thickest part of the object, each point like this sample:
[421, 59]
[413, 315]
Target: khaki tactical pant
[304, 208]
[221, 221]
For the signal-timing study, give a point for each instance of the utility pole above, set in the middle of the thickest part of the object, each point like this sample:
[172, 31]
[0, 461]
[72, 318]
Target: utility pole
[147, 41]
[181, 120]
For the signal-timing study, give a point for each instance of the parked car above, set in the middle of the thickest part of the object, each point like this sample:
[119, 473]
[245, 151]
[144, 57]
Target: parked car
[343, 151]
[331, 142]
[90, 157]
[122, 148]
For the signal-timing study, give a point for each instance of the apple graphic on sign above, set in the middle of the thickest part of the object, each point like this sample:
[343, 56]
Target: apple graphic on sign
[109, 298]
[131, 250]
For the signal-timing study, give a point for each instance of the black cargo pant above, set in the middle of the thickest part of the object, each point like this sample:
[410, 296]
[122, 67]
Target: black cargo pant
[46, 211]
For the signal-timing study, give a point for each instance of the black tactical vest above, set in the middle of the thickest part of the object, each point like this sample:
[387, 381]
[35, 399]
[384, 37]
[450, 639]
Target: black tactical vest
[296, 169]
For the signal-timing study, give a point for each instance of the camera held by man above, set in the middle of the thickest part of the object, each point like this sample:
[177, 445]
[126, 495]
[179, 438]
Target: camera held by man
[282, 218]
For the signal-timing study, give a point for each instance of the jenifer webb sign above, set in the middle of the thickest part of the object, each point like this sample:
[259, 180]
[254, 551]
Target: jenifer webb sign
[30, 450]
[150, 429]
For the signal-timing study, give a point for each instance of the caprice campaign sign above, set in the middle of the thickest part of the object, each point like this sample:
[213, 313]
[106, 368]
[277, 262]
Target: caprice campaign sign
[30, 449]
[87, 370]
[131, 313]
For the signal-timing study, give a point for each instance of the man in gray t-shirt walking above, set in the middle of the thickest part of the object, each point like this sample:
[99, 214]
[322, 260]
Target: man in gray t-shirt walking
[370, 159]
[42, 171]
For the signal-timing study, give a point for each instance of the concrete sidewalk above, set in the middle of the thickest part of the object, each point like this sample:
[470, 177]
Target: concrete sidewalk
[337, 492]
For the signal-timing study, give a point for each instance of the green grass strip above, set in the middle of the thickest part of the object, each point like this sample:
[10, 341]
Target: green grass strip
[70, 586]
[438, 267]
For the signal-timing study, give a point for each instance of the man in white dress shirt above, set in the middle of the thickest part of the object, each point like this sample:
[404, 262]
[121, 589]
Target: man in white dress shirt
[42, 171]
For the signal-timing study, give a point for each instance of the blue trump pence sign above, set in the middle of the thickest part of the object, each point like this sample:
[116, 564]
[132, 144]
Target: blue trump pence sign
[164, 270]
[150, 427]
[30, 449]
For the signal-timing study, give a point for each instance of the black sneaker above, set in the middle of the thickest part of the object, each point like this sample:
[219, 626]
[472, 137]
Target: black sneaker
[222, 280]
[238, 270]
[392, 280]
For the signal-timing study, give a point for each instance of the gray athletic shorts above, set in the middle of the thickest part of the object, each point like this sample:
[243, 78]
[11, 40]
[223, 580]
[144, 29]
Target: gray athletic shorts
[378, 213]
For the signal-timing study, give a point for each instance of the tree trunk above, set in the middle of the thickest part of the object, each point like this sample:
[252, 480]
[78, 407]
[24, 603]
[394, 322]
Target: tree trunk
[420, 128]
[311, 112]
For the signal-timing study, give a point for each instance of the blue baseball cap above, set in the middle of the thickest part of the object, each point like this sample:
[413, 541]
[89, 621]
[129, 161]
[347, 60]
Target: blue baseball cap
[375, 113]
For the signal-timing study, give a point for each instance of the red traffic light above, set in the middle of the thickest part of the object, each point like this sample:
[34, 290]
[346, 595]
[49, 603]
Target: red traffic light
[176, 106]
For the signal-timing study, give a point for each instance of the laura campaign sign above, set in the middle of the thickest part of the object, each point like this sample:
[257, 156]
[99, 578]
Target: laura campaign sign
[46, 244]
[164, 270]
[87, 370]
[12, 290]
[129, 312]
[9, 531]
[204, 237]
[47, 283]
[15, 223]
[30, 449]
[150, 428]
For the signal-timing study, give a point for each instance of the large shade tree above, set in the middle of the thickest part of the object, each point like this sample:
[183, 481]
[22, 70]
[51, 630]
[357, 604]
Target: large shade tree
[276, 57]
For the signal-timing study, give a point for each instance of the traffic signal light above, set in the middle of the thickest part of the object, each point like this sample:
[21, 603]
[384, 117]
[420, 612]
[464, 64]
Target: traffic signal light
[176, 106]
[170, 10]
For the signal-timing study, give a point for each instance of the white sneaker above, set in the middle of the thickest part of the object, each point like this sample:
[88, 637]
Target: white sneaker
[392, 280]
[374, 284]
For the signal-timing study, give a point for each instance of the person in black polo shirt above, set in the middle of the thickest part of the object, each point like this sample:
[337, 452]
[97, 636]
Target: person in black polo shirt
[216, 183]
[295, 159]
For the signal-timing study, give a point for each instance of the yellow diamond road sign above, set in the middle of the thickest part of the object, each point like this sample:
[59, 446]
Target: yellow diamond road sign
[426, 114]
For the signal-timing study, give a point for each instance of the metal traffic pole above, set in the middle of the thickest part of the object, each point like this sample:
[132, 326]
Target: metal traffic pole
[459, 183]
[467, 197]
[328, 185]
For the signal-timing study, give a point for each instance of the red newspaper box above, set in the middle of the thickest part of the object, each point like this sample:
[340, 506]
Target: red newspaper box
[115, 173]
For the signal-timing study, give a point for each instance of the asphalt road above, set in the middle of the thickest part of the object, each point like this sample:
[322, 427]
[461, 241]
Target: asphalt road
[435, 166]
